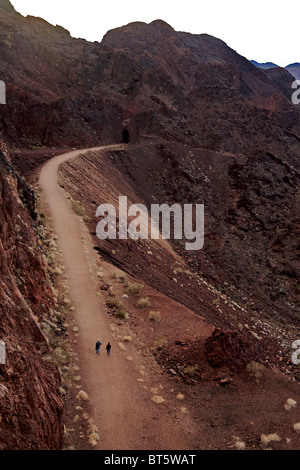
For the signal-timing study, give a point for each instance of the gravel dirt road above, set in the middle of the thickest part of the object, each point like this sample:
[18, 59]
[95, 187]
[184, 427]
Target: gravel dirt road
[124, 390]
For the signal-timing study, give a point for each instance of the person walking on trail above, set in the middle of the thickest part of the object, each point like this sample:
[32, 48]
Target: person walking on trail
[98, 344]
[108, 348]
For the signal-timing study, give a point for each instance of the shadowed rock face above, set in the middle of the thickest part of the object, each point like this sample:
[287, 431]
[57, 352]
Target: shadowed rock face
[227, 348]
[146, 78]
[30, 405]
[5, 5]
[251, 219]
[294, 70]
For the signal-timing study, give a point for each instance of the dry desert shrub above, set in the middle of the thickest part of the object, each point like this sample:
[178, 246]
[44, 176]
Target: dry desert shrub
[266, 439]
[296, 427]
[154, 316]
[93, 434]
[143, 302]
[159, 344]
[82, 395]
[190, 370]
[240, 445]
[127, 339]
[134, 288]
[157, 399]
[111, 292]
[123, 280]
[290, 404]
[255, 370]
[177, 270]
[122, 315]
[78, 208]
[113, 302]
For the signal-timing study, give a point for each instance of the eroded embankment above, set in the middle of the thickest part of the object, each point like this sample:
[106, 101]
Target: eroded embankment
[30, 404]
[125, 390]
[216, 393]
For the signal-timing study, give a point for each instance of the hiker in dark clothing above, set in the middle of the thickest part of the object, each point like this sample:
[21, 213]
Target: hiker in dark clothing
[108, 348]
[98, 344]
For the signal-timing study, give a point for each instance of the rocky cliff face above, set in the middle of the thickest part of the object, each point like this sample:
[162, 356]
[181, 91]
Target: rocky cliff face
[30, 404]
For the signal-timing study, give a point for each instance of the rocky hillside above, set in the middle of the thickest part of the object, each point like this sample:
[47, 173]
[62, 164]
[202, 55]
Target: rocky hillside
[205, 125]
[30, 406]
[293, 69]
[245, 239]
[148, 79]
[5, 5]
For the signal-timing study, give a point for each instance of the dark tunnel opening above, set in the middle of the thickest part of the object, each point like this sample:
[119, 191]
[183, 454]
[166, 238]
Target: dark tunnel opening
[125, 136]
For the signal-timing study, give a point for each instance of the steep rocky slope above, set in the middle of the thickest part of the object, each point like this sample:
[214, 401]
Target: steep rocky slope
[293, 69]
[245, 239]
[148, 79]
[235, 129]
[207, 127]
[30, 405]
[252, 214]
[215, 367]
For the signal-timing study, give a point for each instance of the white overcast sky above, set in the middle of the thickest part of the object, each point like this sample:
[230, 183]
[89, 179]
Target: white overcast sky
[263, 30]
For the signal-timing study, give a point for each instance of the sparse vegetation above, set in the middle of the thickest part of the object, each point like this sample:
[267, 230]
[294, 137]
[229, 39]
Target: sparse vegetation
[266, 439]
[111, 292]
[82, 395]
[93, 434]
[290, 404]
[127, 339]
[240, 445]
[122, 314]
[296, 427]
[123, 280]
[249, 256]
[61, 181]
[113, 301]
[159, 344]
[154, 316]
[143, 302]
[191, 370]
[134, 288]
[157, 399]
[255, 370]
[177, 270]
[78, 208]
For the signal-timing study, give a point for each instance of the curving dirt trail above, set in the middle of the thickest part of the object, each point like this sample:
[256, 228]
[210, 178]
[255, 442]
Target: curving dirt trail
[119, 397]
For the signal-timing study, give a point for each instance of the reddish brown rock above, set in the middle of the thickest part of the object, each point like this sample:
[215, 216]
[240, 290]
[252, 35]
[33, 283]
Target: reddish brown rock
[226, 348]
[30, 404]
[142, 80]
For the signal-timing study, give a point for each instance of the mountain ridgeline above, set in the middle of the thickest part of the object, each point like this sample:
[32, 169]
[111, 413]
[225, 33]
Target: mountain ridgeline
[147, 78]
[293, 69]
